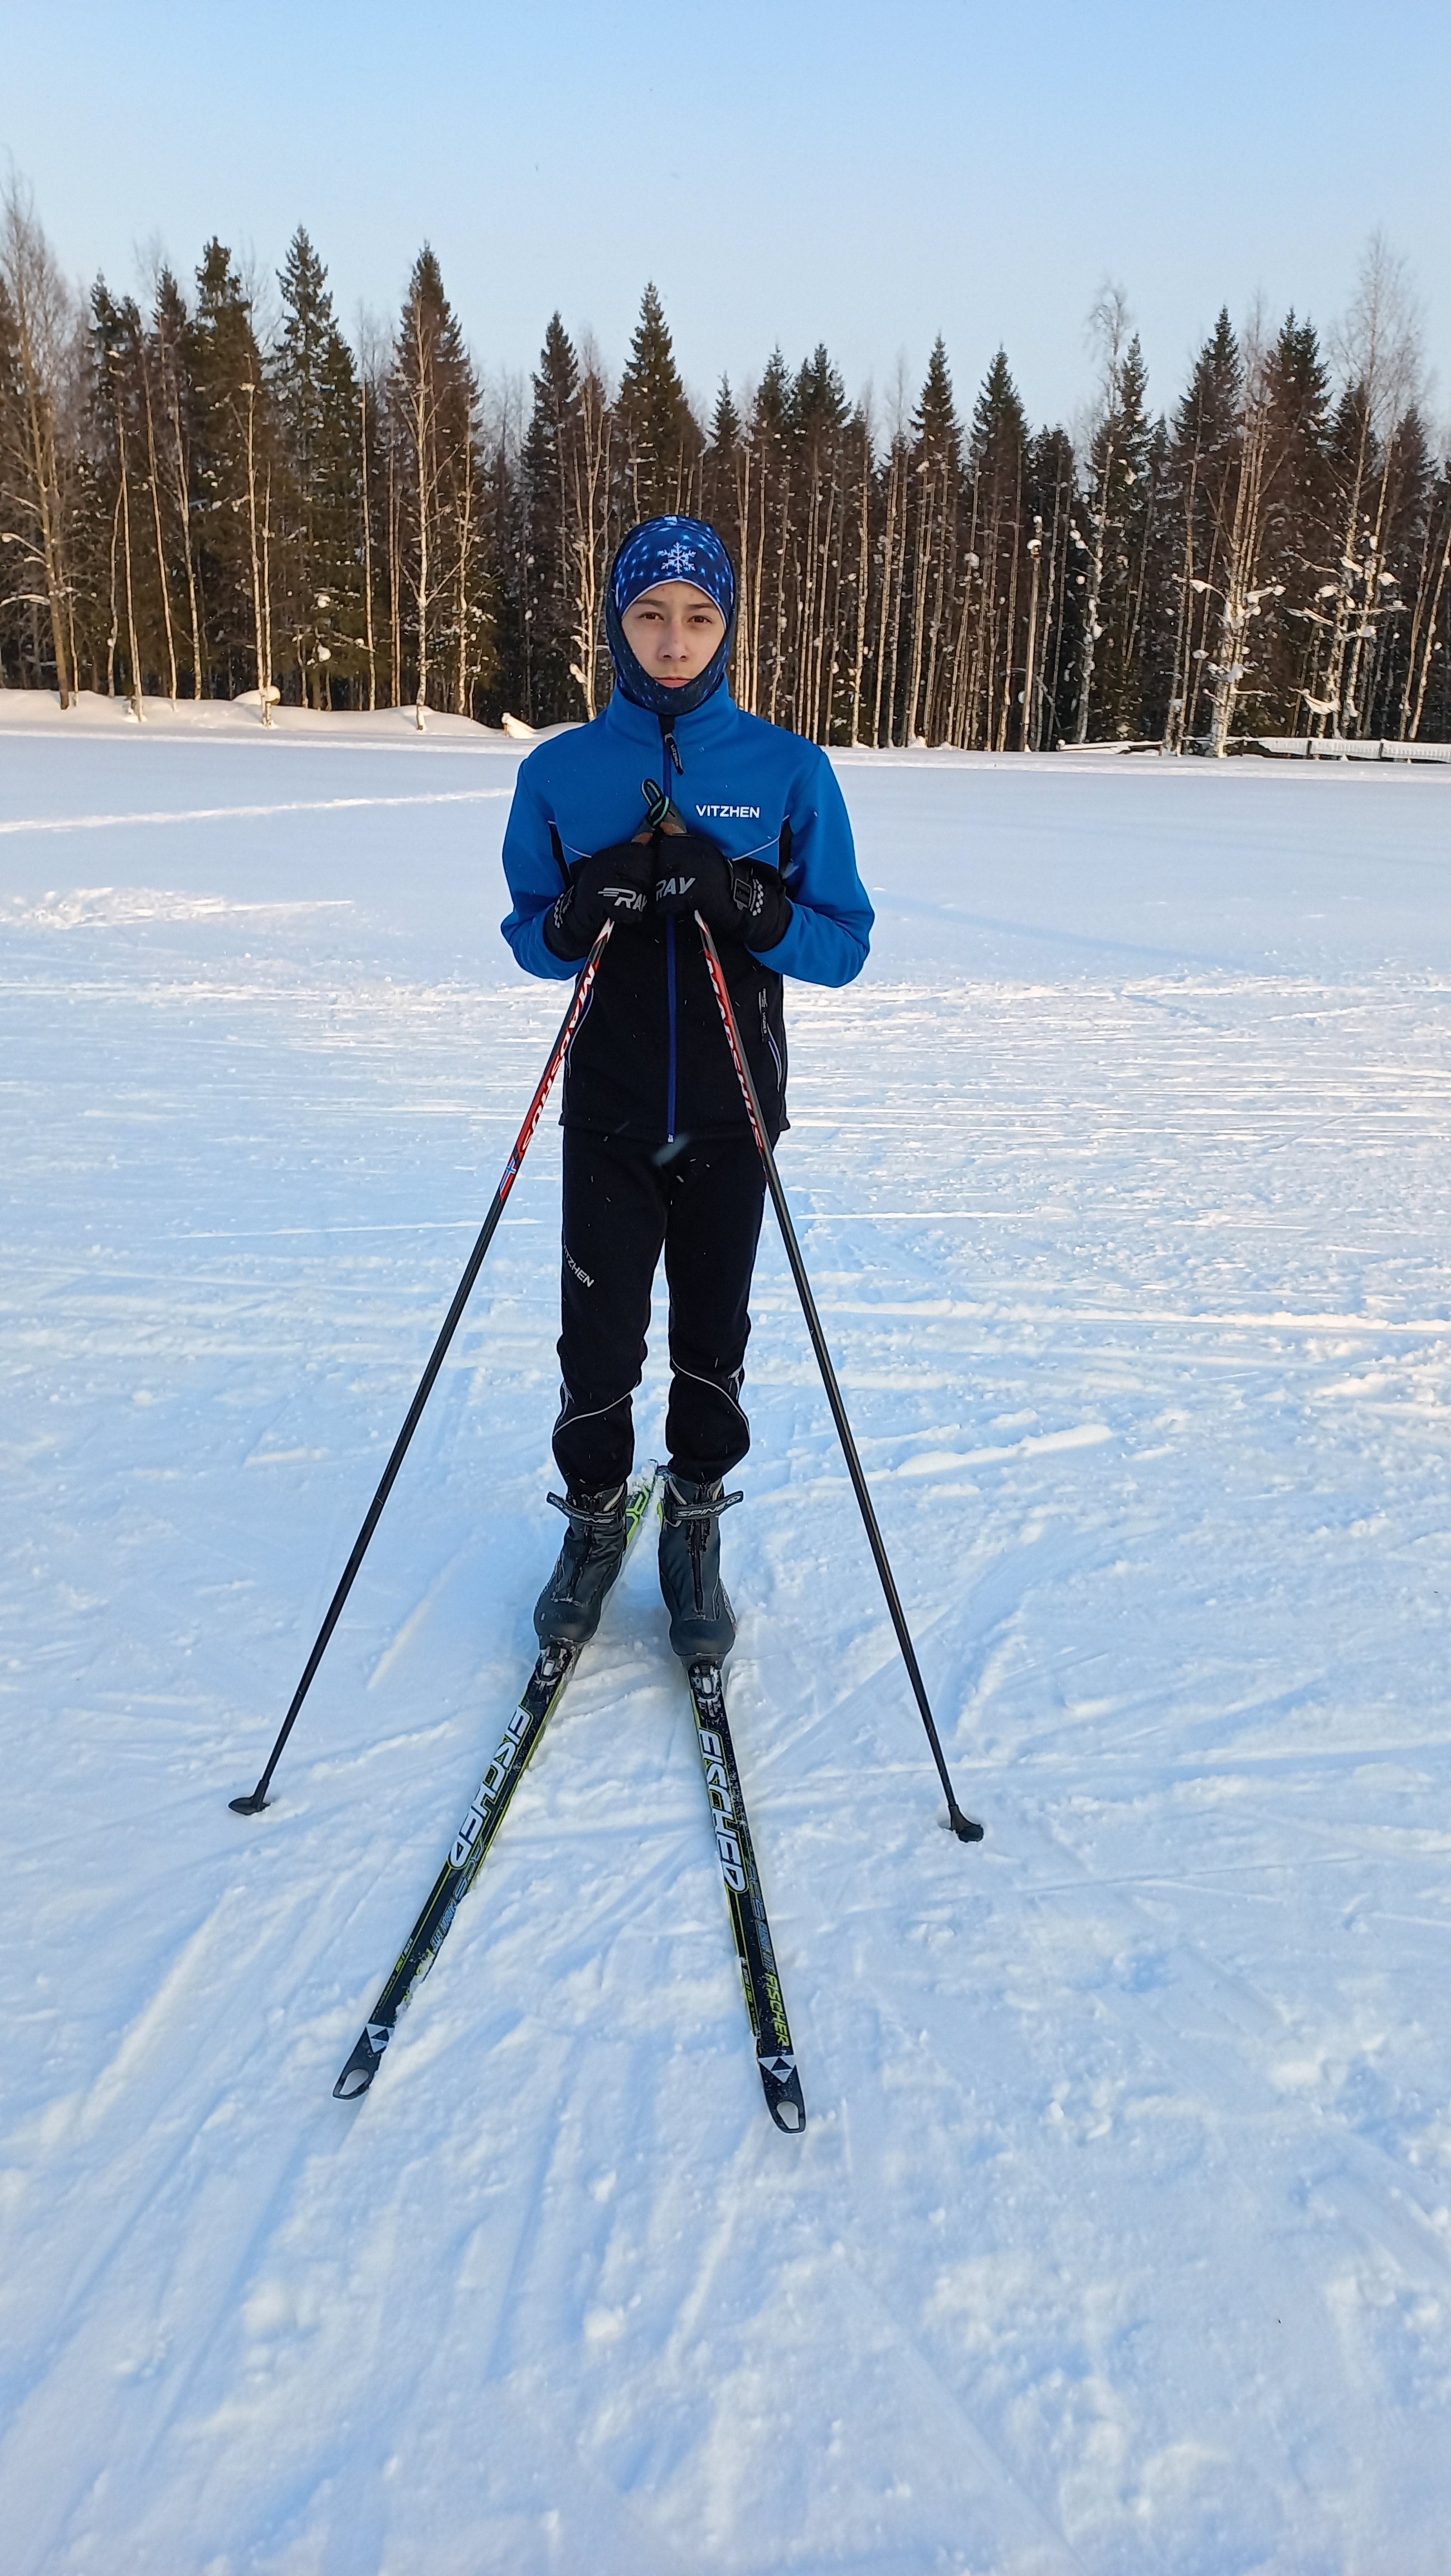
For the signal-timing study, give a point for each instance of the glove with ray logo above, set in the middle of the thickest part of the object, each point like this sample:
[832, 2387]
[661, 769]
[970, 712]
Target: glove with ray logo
[615, 885]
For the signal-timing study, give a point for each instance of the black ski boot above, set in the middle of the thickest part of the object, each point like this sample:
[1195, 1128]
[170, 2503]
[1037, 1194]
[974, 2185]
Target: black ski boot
[702, 1623]
[567, 1611]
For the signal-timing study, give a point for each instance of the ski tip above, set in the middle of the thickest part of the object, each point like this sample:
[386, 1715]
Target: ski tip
[251, 1805]
[966, 1828]
[781, 2084]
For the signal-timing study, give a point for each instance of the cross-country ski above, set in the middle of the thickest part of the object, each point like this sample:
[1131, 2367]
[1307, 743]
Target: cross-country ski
[487, 1809]
[775, 2056]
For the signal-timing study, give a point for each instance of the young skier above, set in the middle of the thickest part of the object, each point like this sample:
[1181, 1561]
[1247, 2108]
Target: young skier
[658, 1150]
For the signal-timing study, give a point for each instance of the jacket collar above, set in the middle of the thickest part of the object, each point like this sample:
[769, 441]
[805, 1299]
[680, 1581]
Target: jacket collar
[699, 732]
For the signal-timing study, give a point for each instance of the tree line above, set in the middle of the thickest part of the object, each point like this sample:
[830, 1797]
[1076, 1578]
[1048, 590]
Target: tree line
[193, 505]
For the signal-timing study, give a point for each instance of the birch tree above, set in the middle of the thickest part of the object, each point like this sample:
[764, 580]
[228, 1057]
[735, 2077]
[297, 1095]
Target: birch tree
[1108, 335]
[40, 323]
[589, 465]
[1380, 356]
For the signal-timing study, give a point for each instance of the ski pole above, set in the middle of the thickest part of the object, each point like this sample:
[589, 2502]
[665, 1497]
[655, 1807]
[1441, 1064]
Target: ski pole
[665, 819]
[253, 1804]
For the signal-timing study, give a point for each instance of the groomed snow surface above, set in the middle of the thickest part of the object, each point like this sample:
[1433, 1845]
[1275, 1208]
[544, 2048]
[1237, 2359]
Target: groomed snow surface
[1120, 2237]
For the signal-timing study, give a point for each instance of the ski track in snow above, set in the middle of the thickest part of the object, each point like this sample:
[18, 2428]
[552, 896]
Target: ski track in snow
[1119, 2241]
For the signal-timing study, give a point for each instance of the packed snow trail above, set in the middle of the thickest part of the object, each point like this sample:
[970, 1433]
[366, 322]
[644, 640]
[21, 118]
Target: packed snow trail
[1120, 2237]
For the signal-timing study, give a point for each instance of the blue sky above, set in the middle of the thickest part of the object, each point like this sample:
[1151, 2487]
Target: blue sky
[785, 170]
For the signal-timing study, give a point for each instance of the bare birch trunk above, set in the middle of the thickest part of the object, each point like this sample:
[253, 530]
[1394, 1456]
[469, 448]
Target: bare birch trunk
[395, 580]
[746, 621]
[590, 494]
[367, 540]
[423, 427]
[465, 547]
[1098, 520]
[261, 606]
[777, 654]
[886, 614]
[1027, 739]
[760, 586]
[864, 575]
[114, 629]
[1414, 703]
[925, 528]
[124, 498]
[1241, 598]
[1011, 626]
[154, 481]
[180, 462]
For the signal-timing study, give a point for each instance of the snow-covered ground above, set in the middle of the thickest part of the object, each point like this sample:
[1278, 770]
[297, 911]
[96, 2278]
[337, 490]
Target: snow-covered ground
[1120, 2237]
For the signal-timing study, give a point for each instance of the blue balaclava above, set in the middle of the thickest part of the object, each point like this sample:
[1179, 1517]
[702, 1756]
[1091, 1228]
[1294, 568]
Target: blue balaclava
[672, 549]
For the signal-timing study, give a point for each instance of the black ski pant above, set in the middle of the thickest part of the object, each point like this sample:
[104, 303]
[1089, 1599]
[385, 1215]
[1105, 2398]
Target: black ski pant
[623, 1204]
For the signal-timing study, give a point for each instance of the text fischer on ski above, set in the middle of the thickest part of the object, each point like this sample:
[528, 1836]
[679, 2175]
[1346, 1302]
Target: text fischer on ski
[658, 1149]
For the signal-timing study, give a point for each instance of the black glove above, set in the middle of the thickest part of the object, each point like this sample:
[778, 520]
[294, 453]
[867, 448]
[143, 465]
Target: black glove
[739, 898]
[765, 906]
[612, 886]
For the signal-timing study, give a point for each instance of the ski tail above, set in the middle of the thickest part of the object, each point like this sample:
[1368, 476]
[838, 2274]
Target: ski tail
[487, 1810]
[755, 1952]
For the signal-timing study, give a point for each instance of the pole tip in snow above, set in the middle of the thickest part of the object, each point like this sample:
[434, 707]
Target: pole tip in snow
[251, 1805]
[966, 1830]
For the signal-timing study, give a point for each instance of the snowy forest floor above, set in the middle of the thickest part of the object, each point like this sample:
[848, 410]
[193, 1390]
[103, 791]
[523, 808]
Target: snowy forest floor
[1120, 2237]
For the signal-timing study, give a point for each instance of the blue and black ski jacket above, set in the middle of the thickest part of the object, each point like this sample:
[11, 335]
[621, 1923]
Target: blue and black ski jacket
[650, 1060]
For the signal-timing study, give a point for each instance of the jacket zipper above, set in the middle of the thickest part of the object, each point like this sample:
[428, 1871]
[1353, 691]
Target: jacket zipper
[670, 752]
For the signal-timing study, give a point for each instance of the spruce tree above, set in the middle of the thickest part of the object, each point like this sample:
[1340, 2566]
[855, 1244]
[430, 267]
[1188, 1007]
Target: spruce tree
[315, 390]
[174, 433]
[1123, 496]
[1000, 576]
[1200, 469]
[540, 609]
[819, 408]
[660, 442]
[818, 414]
[1297, 533]
[725, 425]
[721, 483]
[444, 536]
[928, 562]
[107, 543]
[234, 466]
[762, 657]
[1403, 515]
[1052, 512]
[936, 430]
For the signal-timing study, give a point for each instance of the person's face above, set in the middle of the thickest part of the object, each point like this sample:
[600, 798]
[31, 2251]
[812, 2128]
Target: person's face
[672, 631]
